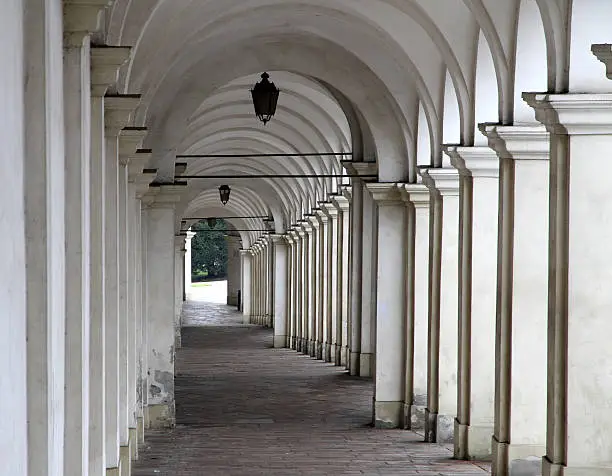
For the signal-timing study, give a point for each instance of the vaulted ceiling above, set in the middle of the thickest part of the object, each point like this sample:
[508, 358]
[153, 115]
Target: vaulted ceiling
[389, 80]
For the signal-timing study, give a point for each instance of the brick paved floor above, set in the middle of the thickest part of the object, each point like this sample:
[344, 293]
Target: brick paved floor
[244, 408]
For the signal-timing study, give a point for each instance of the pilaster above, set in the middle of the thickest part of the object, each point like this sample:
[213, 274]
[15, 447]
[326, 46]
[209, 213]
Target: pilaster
[333, 247]
[342, 351]
[281, 290]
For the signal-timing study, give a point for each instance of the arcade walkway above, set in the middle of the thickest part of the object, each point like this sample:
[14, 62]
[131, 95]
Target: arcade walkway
[244, 408]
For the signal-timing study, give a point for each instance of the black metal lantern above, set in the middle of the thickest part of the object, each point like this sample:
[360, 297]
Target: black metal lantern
[224, 191]
[212, 222]
[265, 97]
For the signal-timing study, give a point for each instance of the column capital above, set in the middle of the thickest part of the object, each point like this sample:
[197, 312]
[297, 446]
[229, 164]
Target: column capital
[278, 240]
[164, 196]
[347, 193]
[341, 203]
[244, 252]
[179, 242]
[82, 17]
[142, 183]
[573, 114]
[473, 161]
[321, 216]
[137, 162]
[306, 226]
[330, 210]
[363, 170]
[521, 142]
[105, 64]
[314, 220]
[190, 234]
[385, 193]
[444, 180]
[130, 140]
[118, 110]
[603, 52]
[416, 193]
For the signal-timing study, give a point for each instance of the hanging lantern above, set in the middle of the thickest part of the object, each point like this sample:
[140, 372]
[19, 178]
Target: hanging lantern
[265, 97]
[212, 222]
[224, 191]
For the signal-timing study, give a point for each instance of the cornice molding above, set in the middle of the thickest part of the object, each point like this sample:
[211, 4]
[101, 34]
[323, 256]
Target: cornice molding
[474, 161]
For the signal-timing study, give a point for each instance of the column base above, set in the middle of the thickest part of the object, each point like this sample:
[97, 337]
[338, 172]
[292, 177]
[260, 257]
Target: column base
[439, 428]
[552, 469]
[161, 416]
[113, 471]
[288, 342]
[516, 460]
[345, 359]
[328, 355]
[125, 457]
[354, 364]
[319, 349]
[472, 442]
[294, 343]
[388, 415]
[246, 320]
[338, 355]
[280, 342]
[312, 348]
[414, 417]
[133, 444]
[305, 346]
[298, 344]
[366, 364]
[140, 427]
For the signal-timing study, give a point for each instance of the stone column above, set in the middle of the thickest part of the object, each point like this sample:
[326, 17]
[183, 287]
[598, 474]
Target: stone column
[190, 235]
[356, 275]
[138, 185]
[306, 285]
[130, 140]
[105, 63]
[321, 283]
[342, 204]
[519, 439]
[160, 325]
[281, 289]
[300, 289]
[418, 201]
[255, 283]
[44, 167]
[314, 295]
[179, 274]
[479, 170]
[77, 101]
[580, 266]
[442, 311]
[368, 286]
[270, 282]
[291, 309]
[13, 289]
[233, 270]
[247, 297]
[390, 308]
[333, 260]
[118, 111]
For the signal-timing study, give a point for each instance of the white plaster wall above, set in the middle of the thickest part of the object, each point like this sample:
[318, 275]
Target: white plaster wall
[13, 431]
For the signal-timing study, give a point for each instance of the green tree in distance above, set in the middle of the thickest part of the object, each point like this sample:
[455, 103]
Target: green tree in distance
[209, 251]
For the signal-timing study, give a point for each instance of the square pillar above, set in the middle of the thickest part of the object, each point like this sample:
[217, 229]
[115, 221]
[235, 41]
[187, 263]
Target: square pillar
[580, 267]
[281, 290]
[479, 170]
[391, 306]
[418, 200]
[332, 314]
[247, 300]
[444, 266]
[160, 319]
[343, 256]
[322, 302]
[519, 438]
